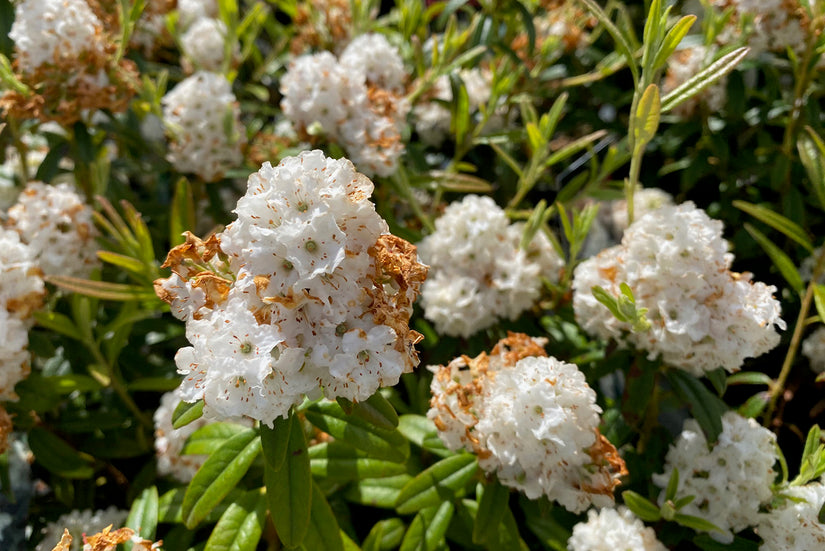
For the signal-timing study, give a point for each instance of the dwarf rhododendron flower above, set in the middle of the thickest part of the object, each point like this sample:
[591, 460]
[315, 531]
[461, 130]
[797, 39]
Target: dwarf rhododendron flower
[304, 294]
[196, 113]
[56, 224]
[797, 522]
[813, 348]
[731, 481]
[79, 523]
[203, 44]
[531, 419]
[613, 529]
[479, 273]
[703, 316]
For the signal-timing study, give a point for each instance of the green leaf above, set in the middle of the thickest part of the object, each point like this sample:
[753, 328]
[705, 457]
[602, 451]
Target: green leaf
[122, 261]
[208, 439]
[672, 485]
[646, 117]
[460, 104]
[641, 506]
[275, 441]
[102, 289]
[182, 217]
[696, 523]
[622, 42]
[672, 39]
[440, 482]
[703, 78]
[385, 535]
[750, 378]
[775, 220]
[491, 508]
[241, 525]
[572, 148]
[428, 527]
[57, 456]
[718, 378]
[186, 412]
[377, 492]
[754, 406]
[705, 406]
[58, 323]
[143, 516]
[812, 154]
[784, 264]
[422, 432]
[707, 543]
[289, 489]
[338, 461]
[819, 300]
[218, 475]
[379, 442]
[377, 411]
[323, 532]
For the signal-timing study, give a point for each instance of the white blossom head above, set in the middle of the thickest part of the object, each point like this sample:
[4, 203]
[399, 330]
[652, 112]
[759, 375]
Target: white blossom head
[190, 11]
[479, 273]
[645, 200]
[795, 523]
[611, 530]
[57, 224]
[79, 523]
[203, 44]
[729, 481]
[379, 61]
[196, 113]
[304, 294]
[813, 348]
[702, 315]
[531, 419]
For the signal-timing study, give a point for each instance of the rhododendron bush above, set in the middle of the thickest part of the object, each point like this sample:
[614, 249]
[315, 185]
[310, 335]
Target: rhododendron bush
[417, 275]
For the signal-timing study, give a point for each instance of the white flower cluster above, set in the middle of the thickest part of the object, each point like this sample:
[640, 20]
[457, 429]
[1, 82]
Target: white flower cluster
[306, 294]
[683, 65]
[50, 31]
[531, 419]
[645, 200]
[796, 523]
[813, 348]
[79, 523]
[731, 481]
[356, 100]
[479, 273]
[432, 117]
[203, 44]
[190, 11]
[21, 292]
[169, 442]
[58, 227]
[772, 25]
[676, 263]
[195, 113]
[613, 530]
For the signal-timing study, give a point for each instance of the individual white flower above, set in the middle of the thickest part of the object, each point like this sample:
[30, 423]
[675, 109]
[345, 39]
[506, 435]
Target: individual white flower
[731, 481]
[196, 113]
[361, 115]
[58, 227]
[46, 31]
[78, 523]
[479, 271]
[676, 263]
[531, 419]
[203, 44]
[795, 524]
[305, 294]
[613, 530]
[813, 348]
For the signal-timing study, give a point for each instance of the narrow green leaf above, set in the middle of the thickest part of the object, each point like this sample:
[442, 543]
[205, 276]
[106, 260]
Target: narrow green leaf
[275, 441]
[170, 506]
[812, 442]
[702, 79]
[338, 461]
[696, 523]
[208, 439]
[428, 528]
[784, 264]
[572, 148]
[551, 119]
[651, 33]
[778, 222]
[647, 117]
[460, 121]
[705, 406]
[323, 532]
[241, 525]
[754, 406]
[460, 182]
[57, 456]
[377, 492]
[122, 261]
[218, 475]
[289, 489]
[377, 411]
[186, 412]
[819, 300]
[812, 154]
[641, 506]
[385, 535]
[705, 542]
[102, 289]
[491, 508]
[379, 442]
[672, 39]
[422, 432]
[182, 217]
[143, 516]
[718, 378]
[59, 323]
[672, 485]
[438, 483]
[750, 378]
[622, 42]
